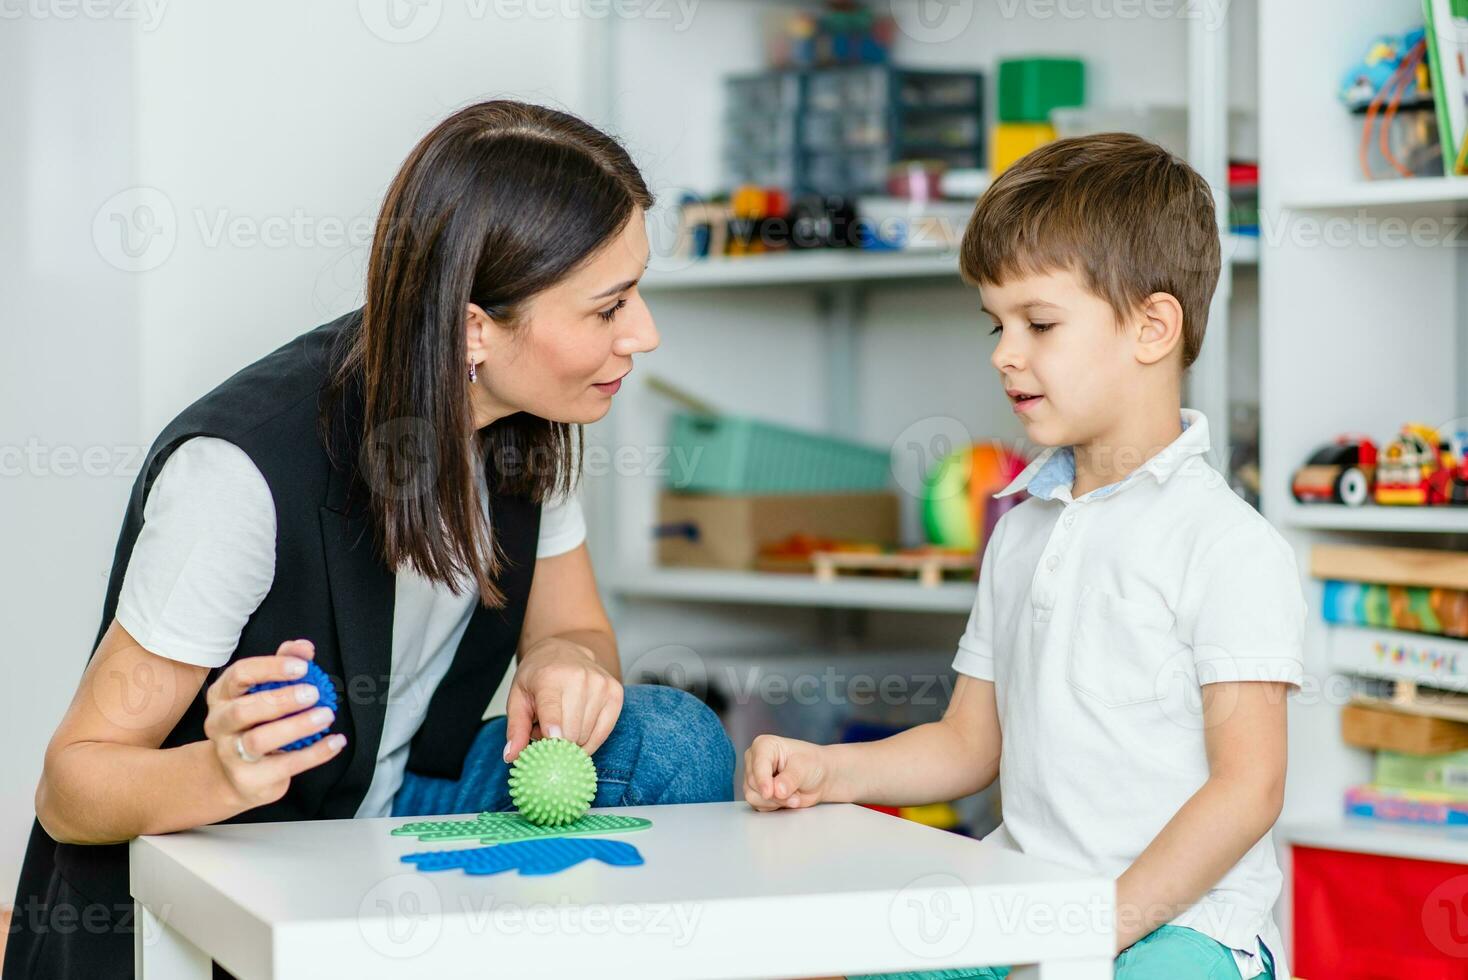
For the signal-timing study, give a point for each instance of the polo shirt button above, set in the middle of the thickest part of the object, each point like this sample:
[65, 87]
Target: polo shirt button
[1053, 562]
[1070, 520]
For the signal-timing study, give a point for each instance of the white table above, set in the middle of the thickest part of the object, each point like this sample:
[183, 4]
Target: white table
[726, 892]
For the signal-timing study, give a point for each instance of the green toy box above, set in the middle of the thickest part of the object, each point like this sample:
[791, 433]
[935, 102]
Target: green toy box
[747, 456]
[1030, 87]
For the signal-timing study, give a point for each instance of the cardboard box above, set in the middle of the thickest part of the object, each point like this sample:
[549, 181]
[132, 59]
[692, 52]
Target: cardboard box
[726, 531]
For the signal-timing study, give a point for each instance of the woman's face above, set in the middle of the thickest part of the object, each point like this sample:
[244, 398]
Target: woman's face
[567, 358]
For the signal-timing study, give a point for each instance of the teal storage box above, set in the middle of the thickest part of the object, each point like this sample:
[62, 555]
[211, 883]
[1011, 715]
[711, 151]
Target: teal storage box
[727, 454]
[1030, 87]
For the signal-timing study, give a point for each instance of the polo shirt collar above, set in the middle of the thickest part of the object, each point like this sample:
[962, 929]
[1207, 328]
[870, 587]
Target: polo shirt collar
[1054, 469]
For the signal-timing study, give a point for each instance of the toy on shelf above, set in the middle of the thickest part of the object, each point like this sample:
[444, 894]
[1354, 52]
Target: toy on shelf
[929, 563]
[844, 33]
[552, 782]
[1343, 472]
[317, 678]
[1384, 59]
[958, 505]
[1407, 469]
[1419, 467]
[1394, 76]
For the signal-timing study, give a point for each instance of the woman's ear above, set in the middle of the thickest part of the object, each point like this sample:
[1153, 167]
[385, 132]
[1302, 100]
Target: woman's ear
[478, 333]
[1160, 329]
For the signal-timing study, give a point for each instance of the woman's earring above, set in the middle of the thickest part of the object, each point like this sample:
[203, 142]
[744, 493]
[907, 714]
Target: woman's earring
[473, 374]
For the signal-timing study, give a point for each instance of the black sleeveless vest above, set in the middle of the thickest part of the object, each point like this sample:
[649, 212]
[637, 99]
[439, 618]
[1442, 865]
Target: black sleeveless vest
[73, 916]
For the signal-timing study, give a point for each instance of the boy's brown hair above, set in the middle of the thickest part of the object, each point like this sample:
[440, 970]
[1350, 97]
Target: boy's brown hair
[1121, 212]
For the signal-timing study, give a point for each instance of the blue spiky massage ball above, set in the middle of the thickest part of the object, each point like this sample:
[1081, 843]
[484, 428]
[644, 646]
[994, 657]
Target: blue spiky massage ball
[552, 782]
[316, 677]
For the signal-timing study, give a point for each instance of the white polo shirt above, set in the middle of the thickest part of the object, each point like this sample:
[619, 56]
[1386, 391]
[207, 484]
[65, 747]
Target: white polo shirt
[1098, 619]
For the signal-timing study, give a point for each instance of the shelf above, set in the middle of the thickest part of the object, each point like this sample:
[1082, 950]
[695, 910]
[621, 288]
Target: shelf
[775, 589]
[826, 266]
[1442, 195]
[1395, 655]
[802, 268]
[1363, 835]
[1371, 517]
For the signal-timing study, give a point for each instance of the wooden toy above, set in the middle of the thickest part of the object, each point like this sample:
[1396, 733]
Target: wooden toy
[1342, 472]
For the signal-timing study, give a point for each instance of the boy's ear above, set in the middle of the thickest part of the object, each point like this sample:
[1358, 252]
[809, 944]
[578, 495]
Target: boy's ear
[1160, 327]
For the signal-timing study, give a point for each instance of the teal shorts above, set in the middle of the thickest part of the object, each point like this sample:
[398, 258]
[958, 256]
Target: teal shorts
[1170, 953]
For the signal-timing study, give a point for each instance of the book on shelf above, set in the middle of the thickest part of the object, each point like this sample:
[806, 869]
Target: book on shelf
[1445, 774]
[1446, 23]
[1406, 806]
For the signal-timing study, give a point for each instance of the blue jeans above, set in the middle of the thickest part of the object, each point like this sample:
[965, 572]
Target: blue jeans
[667, 747]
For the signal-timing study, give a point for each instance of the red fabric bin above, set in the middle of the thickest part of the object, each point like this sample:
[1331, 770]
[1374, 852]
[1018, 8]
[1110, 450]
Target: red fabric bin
[1369, 917]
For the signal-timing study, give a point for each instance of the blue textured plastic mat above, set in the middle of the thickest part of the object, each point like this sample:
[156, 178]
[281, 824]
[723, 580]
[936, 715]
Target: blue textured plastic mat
[545, 856]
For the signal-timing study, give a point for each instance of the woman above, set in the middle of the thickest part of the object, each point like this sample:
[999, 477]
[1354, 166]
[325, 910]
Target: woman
[388, 494]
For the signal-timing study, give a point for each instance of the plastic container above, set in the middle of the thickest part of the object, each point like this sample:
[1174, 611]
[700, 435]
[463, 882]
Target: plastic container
[728, 454]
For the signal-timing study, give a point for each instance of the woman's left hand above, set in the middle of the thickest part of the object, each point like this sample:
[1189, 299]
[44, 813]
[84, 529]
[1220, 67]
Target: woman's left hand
[560, 689]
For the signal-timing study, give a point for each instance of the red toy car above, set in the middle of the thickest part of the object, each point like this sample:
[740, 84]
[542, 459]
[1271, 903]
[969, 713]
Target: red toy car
[1343, 472]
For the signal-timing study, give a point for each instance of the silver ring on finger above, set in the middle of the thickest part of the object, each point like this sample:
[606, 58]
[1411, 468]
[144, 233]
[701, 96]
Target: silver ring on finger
[239, 747]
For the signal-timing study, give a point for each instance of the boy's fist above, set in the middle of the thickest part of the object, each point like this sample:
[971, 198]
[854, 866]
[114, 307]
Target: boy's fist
[784, 772]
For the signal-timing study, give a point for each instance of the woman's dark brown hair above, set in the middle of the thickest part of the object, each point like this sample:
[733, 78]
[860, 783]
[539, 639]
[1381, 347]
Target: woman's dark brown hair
[499, 202]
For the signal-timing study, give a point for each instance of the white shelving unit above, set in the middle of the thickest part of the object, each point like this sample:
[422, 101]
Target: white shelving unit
[1442, 195]
[1362, 835]
[1361, 332]
[755, 588]
[826, 267]
[1407, 520]
[839, 290]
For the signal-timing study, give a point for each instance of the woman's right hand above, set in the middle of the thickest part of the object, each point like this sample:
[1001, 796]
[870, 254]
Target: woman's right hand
[259, 721]
[785, 773]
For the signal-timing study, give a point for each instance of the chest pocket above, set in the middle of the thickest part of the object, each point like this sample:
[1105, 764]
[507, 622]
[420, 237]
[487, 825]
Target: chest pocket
[1118, 648]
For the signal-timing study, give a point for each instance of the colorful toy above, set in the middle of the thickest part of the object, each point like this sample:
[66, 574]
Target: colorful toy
[497, 828]
[552, 782]
[1343, 472]
[1407, 466]
[529, 857]
[958, 506]
[1385, 56]
[316, 677]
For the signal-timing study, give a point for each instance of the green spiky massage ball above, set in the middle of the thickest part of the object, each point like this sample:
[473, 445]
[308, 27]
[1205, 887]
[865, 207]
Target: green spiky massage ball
[552, 782]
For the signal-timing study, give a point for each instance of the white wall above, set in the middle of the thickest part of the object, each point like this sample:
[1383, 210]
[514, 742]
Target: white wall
[268, 117]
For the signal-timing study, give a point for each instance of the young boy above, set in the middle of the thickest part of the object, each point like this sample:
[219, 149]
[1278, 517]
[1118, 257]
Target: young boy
[1137, 627]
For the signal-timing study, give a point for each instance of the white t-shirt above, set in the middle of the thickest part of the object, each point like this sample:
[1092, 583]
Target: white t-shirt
[205, 560]
[1099, 619]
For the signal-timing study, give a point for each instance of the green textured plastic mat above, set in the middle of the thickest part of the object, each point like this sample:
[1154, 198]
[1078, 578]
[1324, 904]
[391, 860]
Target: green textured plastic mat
[497, 828]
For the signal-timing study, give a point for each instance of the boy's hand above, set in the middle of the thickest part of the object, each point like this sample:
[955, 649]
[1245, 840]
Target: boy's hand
[785, 772]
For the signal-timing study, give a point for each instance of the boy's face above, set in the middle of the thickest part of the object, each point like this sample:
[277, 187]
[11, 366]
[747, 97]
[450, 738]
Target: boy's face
[1068, 368]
